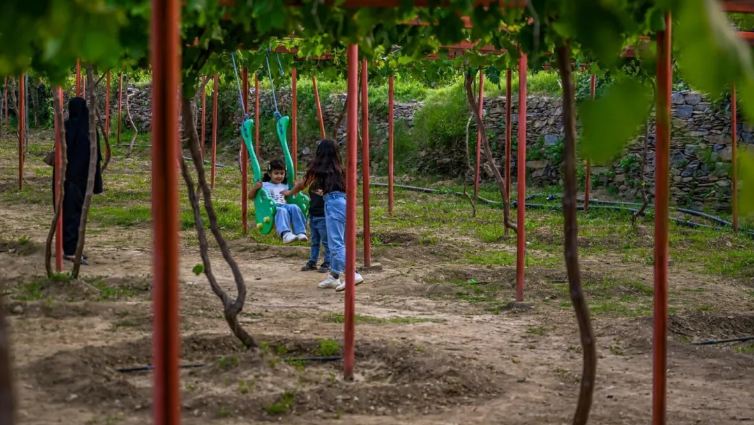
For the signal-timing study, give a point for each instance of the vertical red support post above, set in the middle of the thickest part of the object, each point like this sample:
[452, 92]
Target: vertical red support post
[79, 85]
[734, 156]
[662, 155]
[521, 179]
[480, 107]
[215, 89]
[588, 171]
[165, 61]
[245, 157]
[319, 108]
[21, 128]
[120, 108]
[294, 120]
[107, 104]
[351, 187]
[59, 180]
[390, 144]
[508, 132]
[203, 139]
[365, 169]
[257, 139]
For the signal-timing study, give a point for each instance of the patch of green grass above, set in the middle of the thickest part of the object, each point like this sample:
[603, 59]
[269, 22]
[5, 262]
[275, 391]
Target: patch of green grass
[745, 348]
[228, 362]
[124, 216]
[110, 292]
[31, 291]
[282, 405]
[245, 386]
[536, 330]
[328, 347]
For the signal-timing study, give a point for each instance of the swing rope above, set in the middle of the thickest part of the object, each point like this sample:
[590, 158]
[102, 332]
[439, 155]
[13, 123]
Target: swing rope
[238, 85]
[278, 115]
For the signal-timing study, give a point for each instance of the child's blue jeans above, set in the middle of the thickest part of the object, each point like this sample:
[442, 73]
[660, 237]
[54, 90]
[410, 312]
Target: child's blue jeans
[289, 218]
[318, 227]
[335, 216]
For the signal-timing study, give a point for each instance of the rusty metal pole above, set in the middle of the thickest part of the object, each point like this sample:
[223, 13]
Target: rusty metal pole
[480, 107]
[294, 120]
[508, 132]
[107, 104]
[59, 179]
[257, 109]
[521, 177]
[79, 86]
[588, 171]
[661, 255]
[203, 139]
[351, 187]
[319, 108]
[245, 157]
[165, 61]
[734, 156]
[120, 109]
[21, 113]
[390, 144]
[213, 170]
[365, 169]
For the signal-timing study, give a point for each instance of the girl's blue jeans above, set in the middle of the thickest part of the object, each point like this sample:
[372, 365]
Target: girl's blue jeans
[318, 227]
[335, 218]
[289, 218]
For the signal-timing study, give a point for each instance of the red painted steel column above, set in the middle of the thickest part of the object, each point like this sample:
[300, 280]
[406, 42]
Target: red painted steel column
[480, 107]
[365, 169]
[734, 156]
[165, 150]
[390, 144]
[521, 177]
[351, 187]
[319, 108]
[120, 108]
[245, 157]
[588, 171]
[508, 132]
[203, 139]
[59, 180]
[21, 128]
[107, 105]
[294, 119]
[215, 89]
[662, 154]
[257, 138]
[79, 86]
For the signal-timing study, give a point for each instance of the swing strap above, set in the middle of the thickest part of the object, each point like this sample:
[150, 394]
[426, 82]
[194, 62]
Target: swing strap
[272, 84]
[240, 90]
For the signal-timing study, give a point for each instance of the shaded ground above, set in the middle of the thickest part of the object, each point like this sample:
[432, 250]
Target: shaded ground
[439, 340]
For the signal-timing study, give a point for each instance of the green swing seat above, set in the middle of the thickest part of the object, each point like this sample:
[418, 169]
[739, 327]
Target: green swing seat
[264, 206]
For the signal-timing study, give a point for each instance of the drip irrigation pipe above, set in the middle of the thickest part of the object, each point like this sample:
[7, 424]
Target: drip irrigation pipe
[149, 367]
[724, 341]
[322, 359]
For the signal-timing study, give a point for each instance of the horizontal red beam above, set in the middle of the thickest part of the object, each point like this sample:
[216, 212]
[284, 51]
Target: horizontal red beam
[353, 4]
[747, 36]
[739, 6]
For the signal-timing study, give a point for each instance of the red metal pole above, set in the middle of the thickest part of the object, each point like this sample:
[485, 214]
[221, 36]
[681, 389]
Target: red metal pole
[365, 169]
[120, 108]
[257, 139]
[165, 138]
[508, 132]
[21, 128]
[107, 104]
[588, 171]
[245, 157]
[734, 155]
[662, 154]
[79, 86]
[215, 90]
[351, 184]
[319, 108]
[294, 119]
[521, 177]
[477, 174]
[59, 180]
[203, 139]
[390, 144]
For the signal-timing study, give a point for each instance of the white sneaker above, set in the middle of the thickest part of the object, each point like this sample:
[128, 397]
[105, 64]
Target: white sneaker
[329, 283]
[301, 237]
[358, 279]
[289, 237]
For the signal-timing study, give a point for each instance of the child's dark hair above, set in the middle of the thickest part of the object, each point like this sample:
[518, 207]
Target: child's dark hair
[275, 164]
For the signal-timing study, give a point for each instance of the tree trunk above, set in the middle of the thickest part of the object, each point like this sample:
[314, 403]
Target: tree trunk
[130, 120]
[231, 308]
[58, 111]
[7, 398]
[469, 80]
[571, 233]
[92, 102]
[102, 126]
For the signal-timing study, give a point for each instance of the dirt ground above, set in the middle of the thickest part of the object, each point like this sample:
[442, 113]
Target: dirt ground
[423, 356]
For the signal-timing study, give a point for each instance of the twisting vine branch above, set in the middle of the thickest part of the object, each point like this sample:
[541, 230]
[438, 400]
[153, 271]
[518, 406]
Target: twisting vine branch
[58, 111]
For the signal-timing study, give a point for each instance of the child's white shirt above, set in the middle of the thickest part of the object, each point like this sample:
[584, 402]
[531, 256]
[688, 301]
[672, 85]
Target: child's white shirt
[275, 191]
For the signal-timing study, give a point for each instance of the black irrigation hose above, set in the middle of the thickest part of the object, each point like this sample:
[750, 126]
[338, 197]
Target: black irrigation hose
[149, 367]
[724, 341]
[322, 359]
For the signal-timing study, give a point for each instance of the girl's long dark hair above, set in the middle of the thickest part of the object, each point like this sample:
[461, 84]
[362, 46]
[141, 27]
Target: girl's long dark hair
[275, 164]
[325, 169]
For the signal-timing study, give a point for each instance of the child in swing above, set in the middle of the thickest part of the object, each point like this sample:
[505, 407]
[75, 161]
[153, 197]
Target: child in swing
[290, 222]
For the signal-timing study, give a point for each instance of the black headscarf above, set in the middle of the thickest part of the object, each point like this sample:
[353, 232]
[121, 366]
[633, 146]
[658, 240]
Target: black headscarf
[77, 146]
